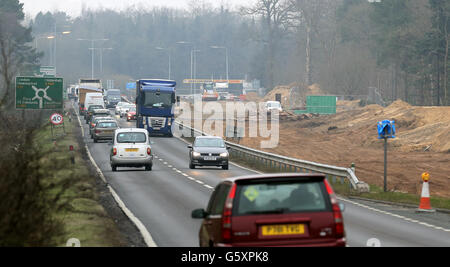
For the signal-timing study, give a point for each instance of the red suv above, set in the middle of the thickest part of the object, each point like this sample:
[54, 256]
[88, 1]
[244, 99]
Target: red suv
[272, 210]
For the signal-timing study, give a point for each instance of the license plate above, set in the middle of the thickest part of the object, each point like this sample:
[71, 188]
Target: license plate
[156, 128]
[131, 149]
[210, 158]
[283, 229]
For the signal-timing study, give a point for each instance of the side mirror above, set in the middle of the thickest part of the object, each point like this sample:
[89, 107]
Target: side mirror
[110, 143]
[199, 214]
[228, 147]
[342, 207]
[189, 146]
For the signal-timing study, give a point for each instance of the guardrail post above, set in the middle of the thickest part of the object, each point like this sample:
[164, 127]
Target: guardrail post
[333, 179]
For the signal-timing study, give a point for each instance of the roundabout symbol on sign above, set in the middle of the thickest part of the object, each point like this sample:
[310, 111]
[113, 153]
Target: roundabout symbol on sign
[56, 119]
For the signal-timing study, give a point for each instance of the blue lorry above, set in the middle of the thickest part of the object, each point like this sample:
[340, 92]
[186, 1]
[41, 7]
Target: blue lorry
[155, 102]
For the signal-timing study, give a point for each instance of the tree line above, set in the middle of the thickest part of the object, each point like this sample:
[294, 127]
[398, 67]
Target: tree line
[346, 46]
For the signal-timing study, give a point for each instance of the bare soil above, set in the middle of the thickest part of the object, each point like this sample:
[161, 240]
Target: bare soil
[422, 144]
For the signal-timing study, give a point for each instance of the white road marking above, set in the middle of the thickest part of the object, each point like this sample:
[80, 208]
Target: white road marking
[395, 215]
[142, 229]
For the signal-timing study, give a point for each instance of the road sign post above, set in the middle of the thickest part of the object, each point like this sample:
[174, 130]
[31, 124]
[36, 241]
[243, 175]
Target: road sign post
[56, 119]
[386, 130]
[39, 93]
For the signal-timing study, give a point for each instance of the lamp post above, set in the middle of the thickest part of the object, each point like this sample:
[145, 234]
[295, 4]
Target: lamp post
[54, 49]
[43, 36]
[101, 56]
[170, 58]
[226, 59]
[92, 54]
[192, 59]
[52, 36]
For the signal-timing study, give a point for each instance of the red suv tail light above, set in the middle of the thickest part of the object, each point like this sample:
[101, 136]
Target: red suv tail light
[338, 219]
[149, 151]
[97, 131]
[114, 151]
[226, 216]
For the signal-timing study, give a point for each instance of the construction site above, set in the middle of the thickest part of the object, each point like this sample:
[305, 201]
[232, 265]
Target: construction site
[422, 142]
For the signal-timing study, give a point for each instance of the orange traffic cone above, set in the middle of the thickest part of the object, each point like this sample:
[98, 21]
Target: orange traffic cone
[425, 205]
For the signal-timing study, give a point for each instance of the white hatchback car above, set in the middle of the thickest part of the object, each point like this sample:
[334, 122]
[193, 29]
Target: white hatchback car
[273, 105]
[131, 148]
[125, 108]
[118, 107]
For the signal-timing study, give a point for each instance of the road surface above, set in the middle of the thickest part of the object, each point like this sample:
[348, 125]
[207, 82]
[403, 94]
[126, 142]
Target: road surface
[164, 198]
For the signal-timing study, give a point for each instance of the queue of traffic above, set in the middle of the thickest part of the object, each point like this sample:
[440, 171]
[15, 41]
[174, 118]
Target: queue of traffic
[257, 210]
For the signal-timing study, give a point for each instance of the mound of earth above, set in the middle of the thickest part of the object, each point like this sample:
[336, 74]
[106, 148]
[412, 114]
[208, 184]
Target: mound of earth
[422, 144]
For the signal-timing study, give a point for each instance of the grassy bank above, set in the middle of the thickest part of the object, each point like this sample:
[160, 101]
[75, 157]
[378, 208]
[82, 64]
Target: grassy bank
[82, 215]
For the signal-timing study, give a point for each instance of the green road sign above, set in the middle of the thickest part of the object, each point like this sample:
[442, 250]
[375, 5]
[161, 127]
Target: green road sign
[39, 93]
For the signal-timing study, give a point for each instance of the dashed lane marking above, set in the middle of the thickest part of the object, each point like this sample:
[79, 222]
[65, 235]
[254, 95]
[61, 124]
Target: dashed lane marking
[396, 215]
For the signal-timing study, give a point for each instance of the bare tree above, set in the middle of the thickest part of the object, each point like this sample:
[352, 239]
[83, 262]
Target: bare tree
[309, 15]
[276, 15]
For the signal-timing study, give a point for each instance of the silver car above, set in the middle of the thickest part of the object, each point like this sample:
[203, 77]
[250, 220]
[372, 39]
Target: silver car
[94, 121]
[104, 130]
[131, 148]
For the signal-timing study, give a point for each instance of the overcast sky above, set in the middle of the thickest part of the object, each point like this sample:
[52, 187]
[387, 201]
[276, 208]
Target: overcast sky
[73, 7]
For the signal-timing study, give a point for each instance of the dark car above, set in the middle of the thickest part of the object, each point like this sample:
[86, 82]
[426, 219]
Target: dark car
[90, 111]
[273, 210]
[208, 151]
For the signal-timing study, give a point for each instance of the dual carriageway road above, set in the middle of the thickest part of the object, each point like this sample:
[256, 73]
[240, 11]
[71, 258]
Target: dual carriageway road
[164, 198]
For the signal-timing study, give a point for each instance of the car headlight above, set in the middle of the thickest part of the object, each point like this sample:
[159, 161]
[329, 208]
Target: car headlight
[196, 154]
[224, 155]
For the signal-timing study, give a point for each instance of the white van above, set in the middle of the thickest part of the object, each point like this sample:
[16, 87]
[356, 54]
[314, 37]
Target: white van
[94, 99]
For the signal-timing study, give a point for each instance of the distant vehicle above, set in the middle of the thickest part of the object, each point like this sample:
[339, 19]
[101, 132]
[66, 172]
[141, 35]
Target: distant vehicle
[155, 100]
[72, 92]
[112, 98]
[90, 112]
[99, 112]
[82, 93]
[118, 107]
[223, 95]
[125, 108]
[209, 92]
[87, 82]
[104, 130]
[208, 151]
[131, 114]
[273, 105]
[93, 99]
[272, 210]
[94, 121]
[131, 148]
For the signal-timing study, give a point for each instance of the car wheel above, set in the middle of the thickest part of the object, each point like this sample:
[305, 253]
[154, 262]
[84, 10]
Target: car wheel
[148, 167]
[114, 168]
[191, 166]
[225, 167]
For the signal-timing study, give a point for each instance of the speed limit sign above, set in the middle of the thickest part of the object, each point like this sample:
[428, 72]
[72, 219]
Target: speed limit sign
[56, 119]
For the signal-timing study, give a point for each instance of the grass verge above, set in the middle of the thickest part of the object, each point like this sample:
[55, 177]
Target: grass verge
[82, 216]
